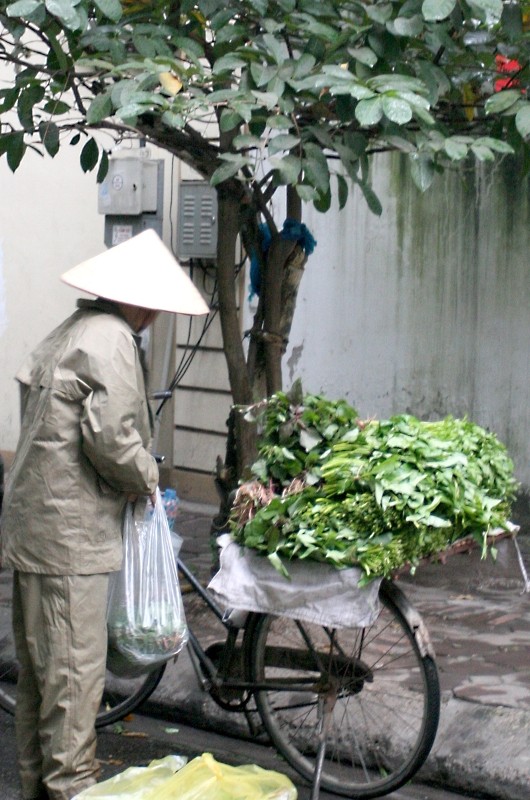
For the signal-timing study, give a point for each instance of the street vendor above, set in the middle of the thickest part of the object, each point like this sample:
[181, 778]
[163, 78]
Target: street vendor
[83, 450]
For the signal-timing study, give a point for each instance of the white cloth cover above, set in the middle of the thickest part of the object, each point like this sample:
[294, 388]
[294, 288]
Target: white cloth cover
[314, 592]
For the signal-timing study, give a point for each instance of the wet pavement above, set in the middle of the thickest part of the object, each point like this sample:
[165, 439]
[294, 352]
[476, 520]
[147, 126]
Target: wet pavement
[478, 616]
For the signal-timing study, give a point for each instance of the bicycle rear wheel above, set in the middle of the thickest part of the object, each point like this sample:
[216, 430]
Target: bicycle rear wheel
[121, 695]
[382, 694]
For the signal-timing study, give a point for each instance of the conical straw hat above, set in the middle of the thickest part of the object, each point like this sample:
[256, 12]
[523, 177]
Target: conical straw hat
[140, 272]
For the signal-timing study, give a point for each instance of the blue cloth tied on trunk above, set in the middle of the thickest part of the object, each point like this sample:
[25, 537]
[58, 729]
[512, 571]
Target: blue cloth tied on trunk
[292, 231]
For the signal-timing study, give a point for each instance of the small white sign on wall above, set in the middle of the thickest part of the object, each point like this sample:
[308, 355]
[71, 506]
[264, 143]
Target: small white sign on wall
[121, 233]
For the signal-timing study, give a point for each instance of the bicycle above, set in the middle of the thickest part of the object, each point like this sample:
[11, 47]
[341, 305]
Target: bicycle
[353, 710]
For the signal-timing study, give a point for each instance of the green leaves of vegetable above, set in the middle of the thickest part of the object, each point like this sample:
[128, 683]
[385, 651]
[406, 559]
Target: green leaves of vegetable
[376, 494]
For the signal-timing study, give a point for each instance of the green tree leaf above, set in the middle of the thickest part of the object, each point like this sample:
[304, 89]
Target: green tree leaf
[364, 55]
[316, 169]
[15, 150]
[110, 8]
[372, 200]
[437, 10]
[228, 170]
[228, 63]
[275, 47]
[103, 167]
[288, 168]
[56, 107]
[303, 66]
[22, 8]
[502, 101]
[342, 191]
[494, 144]
[8, 98]
[282, 142]
[65, 10]
[306, 193]
[491, 9]
[482, 152]
[369, 112]
[522, 121]
[263, 73]
[407, 26]
[397, 110]
[380, 13]
[260, 6]
[456, 149]
[89, 155]
[27, 100]
[100, 108]
[229, 120]
[422, 171]
[49, 134]
[322, 202]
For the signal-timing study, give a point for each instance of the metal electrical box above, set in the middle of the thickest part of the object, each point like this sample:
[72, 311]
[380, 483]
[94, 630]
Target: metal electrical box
[131, 197]
[197, 221]
[130, 187]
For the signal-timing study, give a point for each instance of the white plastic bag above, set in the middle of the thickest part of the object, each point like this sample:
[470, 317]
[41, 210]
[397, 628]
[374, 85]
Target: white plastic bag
[146, 622]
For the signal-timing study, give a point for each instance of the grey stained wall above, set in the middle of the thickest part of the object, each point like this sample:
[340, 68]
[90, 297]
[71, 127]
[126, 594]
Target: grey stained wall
[426, 309]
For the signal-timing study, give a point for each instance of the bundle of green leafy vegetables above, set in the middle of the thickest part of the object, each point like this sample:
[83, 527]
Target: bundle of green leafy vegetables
[374, 494]
[163, 634]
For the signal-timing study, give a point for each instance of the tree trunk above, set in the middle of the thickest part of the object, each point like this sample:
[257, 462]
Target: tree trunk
[294, 270]
[241, 441]
[274, 345]
[282, 270]
[228, 216]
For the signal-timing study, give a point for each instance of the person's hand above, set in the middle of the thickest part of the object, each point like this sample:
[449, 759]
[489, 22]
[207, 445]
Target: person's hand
[132, 498]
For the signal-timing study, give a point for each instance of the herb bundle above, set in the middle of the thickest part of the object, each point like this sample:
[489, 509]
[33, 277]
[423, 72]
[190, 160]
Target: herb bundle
[374, 494]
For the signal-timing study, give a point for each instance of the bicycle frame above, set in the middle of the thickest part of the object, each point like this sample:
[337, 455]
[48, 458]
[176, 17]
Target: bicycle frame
[218, 676]
[209, 669]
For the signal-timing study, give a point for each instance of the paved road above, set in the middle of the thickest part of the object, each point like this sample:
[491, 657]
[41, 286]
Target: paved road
[143, 738]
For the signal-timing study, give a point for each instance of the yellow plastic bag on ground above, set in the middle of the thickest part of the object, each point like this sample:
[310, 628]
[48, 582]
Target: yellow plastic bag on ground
[135, 783]
[203, 778]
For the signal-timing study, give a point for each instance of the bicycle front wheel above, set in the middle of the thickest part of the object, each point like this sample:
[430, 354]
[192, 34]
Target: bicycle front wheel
[371, 690]
[121, 695]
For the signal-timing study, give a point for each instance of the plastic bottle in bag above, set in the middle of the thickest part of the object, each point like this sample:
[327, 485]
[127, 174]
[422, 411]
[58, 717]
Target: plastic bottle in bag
[171, 504]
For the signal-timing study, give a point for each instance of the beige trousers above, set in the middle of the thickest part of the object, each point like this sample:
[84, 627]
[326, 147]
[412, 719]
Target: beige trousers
[61, 640]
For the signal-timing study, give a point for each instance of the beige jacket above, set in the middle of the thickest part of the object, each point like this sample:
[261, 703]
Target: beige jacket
[83, 447]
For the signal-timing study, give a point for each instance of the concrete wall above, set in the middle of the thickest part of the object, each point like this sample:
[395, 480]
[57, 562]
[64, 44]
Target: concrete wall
[426, 309]
[48, 223]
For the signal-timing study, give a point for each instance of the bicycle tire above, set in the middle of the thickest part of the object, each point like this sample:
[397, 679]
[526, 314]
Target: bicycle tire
[384, 691]
[121, 695]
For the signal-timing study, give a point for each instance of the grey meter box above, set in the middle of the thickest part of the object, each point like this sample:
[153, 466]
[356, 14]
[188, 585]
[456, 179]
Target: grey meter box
[132, 198]
[197, 221]
[130, 187]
